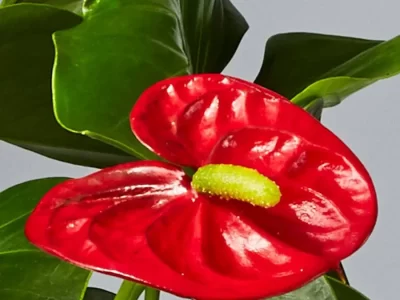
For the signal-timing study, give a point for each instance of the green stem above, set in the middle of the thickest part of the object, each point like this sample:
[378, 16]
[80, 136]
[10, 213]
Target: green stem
[151, 294]
[129, 291]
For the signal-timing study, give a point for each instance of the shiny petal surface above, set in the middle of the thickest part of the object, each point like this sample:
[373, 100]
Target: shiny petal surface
[142, 221]
[70, 213]
[328, 204]
[182, 118]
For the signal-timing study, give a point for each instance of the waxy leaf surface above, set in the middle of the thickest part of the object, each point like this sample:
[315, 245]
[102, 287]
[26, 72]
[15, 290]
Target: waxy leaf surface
[98, 294]
[323, 288]
[132, 219]
[25, 271]
[74, 6]
[101, 70]
[26, 111]
[306, 67]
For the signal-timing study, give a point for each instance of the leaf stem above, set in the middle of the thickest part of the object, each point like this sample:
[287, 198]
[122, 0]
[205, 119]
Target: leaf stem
[129, 290]
[342, 274]
[151, 294]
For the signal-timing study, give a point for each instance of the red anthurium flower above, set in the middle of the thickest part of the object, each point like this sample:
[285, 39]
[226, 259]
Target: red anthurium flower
[277, 199]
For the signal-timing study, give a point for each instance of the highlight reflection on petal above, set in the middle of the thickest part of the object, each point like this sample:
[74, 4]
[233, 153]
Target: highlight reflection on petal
[142, 220]
[148, 218]
[326, 201]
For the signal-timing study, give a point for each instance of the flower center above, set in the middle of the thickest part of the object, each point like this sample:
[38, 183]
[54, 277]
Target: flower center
[236, 182]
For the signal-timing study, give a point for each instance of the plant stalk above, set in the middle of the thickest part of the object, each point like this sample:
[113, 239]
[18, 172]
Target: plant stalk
[151, 294]
[129, 290]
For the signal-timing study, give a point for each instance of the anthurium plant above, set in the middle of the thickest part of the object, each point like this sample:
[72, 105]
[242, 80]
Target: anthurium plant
[209, 187]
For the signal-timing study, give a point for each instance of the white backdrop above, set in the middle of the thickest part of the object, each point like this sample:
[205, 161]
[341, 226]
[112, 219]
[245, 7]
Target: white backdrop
[367, 121]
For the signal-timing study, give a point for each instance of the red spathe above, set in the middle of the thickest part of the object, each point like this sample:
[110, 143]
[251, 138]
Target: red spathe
[143, 221]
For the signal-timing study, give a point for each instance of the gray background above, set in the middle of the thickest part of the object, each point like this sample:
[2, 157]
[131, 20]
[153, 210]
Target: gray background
[367, 122]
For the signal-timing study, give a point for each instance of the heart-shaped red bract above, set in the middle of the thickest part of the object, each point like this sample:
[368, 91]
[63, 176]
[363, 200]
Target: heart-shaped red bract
[143, 221]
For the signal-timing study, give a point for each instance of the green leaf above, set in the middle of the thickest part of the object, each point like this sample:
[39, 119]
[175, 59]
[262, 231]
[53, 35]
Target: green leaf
[98, 294]
[315, 108]
[101, 70]
[344, 292]
[293, 61]
[339, 274]
[26, 112]
[26, 272]
[7, 2]
[305, 67]
[74, 6]
[323, 288]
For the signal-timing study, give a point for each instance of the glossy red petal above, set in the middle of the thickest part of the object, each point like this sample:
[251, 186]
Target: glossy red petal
[229, 255]
[142, 221]
[182, 118]
[328, 204]
[116, 204]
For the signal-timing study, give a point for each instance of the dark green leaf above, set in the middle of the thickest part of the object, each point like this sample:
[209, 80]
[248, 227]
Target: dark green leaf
[293, 61]
[98, 294]
[305, 67]
[26, 272]
[26, 112]
[339, 274]
[344, 292]
[213, 30]
[101, 70]
[315, 108]
[323, 288]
